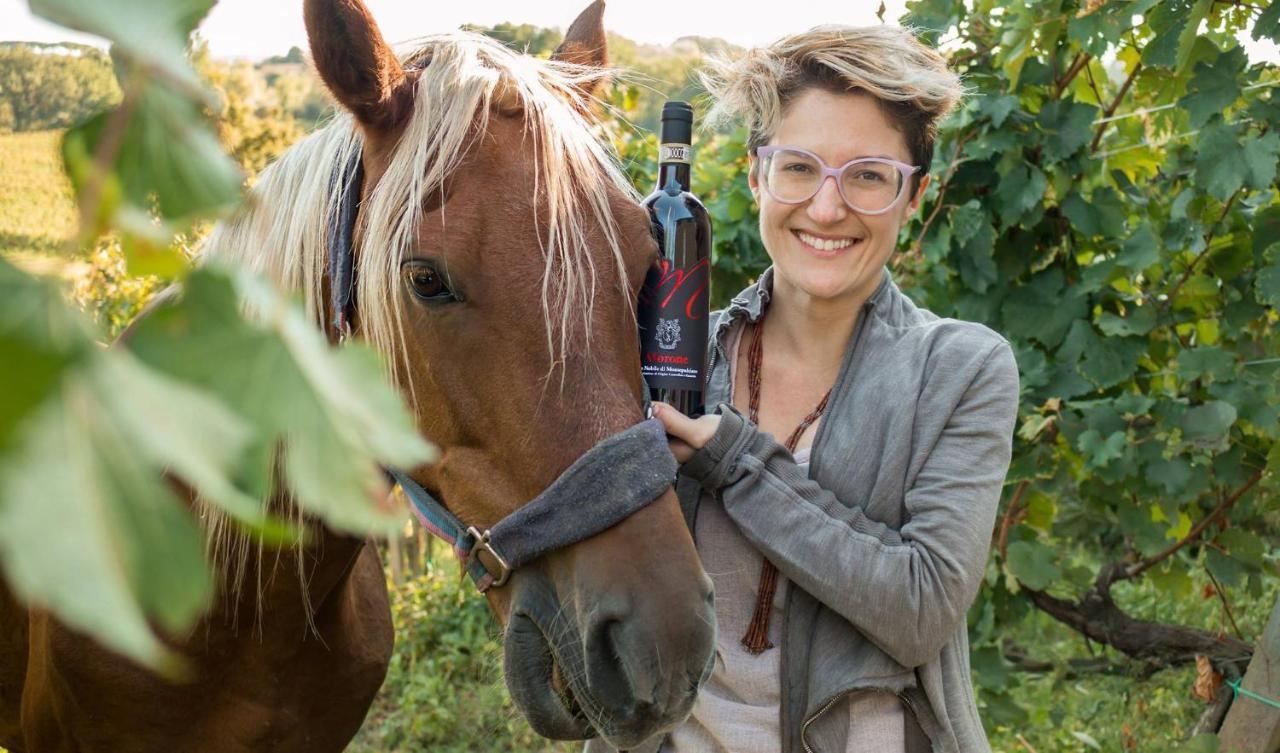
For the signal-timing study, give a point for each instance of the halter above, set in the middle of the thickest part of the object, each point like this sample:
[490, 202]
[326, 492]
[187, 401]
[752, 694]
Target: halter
[613, 480]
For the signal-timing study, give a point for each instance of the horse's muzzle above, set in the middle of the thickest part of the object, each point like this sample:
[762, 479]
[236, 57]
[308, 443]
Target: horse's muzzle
[620, 677]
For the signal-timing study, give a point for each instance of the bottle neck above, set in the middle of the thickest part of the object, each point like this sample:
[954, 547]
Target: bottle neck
[673, 171]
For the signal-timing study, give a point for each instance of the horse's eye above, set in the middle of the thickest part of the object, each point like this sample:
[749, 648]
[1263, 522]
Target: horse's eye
[426, 282]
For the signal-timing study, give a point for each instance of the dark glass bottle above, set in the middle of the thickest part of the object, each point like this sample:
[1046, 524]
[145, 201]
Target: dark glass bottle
[675, 301]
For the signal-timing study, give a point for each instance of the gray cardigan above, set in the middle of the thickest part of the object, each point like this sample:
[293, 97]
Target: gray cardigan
[886, 539]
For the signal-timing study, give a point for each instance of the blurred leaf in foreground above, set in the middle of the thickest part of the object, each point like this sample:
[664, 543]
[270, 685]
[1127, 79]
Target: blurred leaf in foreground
[281, 377]
[90, 526]
[150, 34]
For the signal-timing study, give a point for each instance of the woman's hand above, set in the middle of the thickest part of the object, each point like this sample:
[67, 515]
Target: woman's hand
[685, 435]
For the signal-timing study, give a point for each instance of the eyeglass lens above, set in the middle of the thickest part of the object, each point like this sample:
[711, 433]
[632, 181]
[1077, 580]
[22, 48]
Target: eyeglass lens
[867, 186]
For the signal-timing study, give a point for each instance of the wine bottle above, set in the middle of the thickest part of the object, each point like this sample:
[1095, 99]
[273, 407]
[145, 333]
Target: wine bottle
[674, 304]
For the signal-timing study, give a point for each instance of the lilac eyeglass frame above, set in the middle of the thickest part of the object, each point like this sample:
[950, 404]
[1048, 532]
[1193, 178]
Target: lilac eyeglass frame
[763, 152]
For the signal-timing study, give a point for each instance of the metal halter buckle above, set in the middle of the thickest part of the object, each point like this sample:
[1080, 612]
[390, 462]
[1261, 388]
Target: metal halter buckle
[482, 542]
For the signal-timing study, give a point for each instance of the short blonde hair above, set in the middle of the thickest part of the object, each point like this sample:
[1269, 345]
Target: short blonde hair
[910, 80]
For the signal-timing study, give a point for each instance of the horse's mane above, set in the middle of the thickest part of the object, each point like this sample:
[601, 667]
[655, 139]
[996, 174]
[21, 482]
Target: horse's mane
[281, 231]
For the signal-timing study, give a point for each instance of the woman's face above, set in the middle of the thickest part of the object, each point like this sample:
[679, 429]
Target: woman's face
[854, 246]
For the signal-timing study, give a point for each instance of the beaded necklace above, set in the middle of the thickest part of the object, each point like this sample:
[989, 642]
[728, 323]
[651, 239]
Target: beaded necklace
[756, 639]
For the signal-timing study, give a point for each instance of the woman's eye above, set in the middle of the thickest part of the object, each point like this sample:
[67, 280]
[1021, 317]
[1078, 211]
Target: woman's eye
[426, 283]
[796, 167]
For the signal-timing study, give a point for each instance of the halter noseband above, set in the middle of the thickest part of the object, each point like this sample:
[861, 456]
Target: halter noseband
[613, 480]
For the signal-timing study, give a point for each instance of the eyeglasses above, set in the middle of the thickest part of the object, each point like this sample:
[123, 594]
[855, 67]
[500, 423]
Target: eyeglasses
[870, 185]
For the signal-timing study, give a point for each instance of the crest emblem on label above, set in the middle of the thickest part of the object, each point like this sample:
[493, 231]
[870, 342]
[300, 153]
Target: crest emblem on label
[668, 334]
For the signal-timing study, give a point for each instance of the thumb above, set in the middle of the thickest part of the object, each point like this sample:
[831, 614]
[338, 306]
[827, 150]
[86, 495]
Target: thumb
[675, 422]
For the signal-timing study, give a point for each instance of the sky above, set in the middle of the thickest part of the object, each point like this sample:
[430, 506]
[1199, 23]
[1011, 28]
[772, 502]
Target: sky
[261, 28]
[257, 29]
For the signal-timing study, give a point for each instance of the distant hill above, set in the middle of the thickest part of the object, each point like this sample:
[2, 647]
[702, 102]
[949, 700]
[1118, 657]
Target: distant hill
[46, 86]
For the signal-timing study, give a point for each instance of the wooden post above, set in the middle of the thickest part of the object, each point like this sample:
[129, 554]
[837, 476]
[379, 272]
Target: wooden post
[1252, 726]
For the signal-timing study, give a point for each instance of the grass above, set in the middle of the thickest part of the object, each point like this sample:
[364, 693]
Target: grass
[37, 211]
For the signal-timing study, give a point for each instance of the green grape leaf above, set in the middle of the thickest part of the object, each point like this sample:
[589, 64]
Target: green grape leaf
[1227, 569]
[1213, 87]
[1268, 23]
[89, 462]
[1034, 564]
[1209, 423]
[1041, 509]
[1133, 404]
[1172, 475]
[1041, 310]
[167, 158]
[26, 388]
[1260, 155]
[989, 667]
[1100, 450]
[1085, 219]
[997, 107]
[338, 400]
[1020, 190]
[1266, 286]
[966, 220]
[1266, 230]
[1206, 361]
[1171, 22]
[1220, 164]
[1244, 546]
[976, 262]
[1138, 320]
[1109, 361]
[1067, 125]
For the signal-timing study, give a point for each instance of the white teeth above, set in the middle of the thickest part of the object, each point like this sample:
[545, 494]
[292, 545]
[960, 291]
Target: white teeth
[826, 245]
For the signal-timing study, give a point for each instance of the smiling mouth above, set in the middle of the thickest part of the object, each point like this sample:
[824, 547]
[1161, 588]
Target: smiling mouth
[825, 246]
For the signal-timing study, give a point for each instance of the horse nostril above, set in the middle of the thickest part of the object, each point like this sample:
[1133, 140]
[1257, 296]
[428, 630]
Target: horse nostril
[607, 674]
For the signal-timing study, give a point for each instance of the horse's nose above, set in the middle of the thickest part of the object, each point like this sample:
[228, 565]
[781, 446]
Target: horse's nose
[645, 665]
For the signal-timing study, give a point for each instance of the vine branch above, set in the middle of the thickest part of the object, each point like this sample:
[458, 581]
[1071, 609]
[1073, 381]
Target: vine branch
[1208, 239]
[1073, 70]
[1097, 617]
[1226, 605]
[1115, 103]
[1227, 502]
[942, 191]
[1012, 515]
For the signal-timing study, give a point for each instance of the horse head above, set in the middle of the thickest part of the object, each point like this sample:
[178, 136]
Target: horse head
[498, 255]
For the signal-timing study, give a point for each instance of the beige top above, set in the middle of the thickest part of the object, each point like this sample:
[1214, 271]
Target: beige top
[737, 711]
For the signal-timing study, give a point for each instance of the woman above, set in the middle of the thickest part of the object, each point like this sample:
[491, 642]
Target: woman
[845, 557]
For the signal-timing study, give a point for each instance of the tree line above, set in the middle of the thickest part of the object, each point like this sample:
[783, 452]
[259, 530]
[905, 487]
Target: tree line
[50, 86]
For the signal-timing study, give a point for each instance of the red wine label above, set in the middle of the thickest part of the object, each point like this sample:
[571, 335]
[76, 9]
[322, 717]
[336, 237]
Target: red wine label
[668, 153]
[673, 323]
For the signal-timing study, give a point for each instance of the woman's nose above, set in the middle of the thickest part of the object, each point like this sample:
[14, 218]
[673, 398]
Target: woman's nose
[827, 205]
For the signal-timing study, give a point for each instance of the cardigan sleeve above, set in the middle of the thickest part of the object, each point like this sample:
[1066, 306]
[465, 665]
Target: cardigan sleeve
[906, 589]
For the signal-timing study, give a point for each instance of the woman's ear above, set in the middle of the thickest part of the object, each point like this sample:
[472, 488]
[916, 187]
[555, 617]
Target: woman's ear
[919, 195]
[357, 65]
[753, 180]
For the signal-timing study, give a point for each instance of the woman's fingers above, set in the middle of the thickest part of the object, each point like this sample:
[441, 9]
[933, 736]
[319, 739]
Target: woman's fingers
[676, 423]
[693, 432]
[681, 450]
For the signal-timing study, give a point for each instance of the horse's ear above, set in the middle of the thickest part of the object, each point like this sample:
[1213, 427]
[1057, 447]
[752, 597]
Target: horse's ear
[584, 43]
[357, 65]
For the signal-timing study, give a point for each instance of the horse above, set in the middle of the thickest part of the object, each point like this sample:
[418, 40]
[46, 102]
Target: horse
[498, 252]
